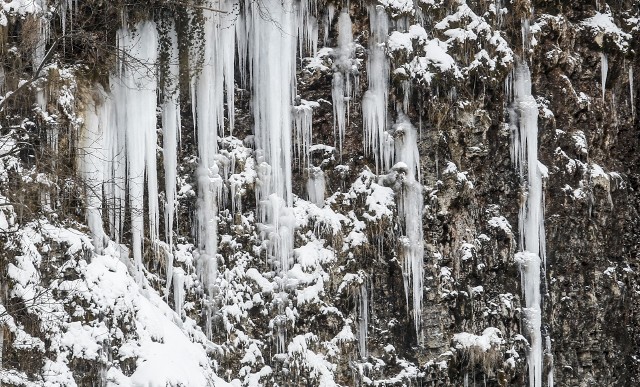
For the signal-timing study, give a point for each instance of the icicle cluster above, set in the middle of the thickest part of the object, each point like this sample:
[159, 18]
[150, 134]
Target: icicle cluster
[524, 119]
[213, 86]
[410, 210]
[374, 102]
[134, 91]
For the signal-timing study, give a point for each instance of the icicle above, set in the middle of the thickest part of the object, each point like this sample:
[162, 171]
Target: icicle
[341, 88]
[410, 208]
[316, 186]
[524, 122]
[363, 317]
[633, 104]
[92, 163]
[374, 101]
[331, 10]
[303, 120]
[307, 27]
[550, 356]
[134, 90]
[604, 69]
[171, 136]
[178, 290]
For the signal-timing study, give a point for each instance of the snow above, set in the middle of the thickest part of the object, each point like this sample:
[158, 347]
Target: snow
[398, 7]
[604, 23]
[489, 339]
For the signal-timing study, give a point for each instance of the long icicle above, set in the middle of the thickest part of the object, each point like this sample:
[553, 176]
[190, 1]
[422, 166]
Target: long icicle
[531, 219]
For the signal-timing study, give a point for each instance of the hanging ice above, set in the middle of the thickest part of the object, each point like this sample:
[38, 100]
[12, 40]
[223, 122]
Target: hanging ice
[170, 139]
[604, 69]
[272, 50]
[134, 90]
[307, 27]
[410, 208]
[374, 101]
[341, 86]
[213, 86]
[92, 161]
[524, 119]
[316, 186]
[631, 96]
[171, 134]
[303, 124]
[363, 317]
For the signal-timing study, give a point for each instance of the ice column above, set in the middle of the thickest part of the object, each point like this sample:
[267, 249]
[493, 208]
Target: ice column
[316, 186]
[170, 139]
[531, 218]
[171, 134]
[134, 89]
[363, 317]
[410, 208]
[213, 86]
[272, 50]
[341, 86]
[93, 161]
[374, 101]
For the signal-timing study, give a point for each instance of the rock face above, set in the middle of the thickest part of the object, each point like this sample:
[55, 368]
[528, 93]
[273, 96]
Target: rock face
[335, 193]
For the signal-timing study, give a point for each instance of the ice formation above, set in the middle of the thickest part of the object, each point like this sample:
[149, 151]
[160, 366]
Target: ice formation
[633, 106]
[171, 135]
[211, 88]
[316, 186]
[604, 69]
[524, 118]
[363, 317]
[134, 90]
[342, 83]
[273, 85]
[410, 208]
[374, 101]
[303, 124]
[92, 162]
